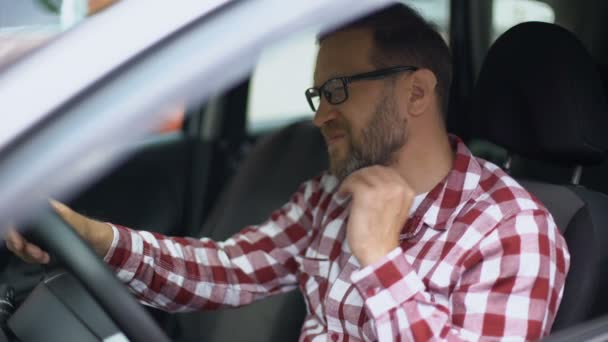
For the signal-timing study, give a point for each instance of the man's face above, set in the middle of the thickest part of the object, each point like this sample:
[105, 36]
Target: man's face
[369, 128]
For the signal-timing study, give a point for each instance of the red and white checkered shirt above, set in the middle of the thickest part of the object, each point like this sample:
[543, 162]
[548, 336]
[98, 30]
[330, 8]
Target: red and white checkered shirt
[480, 258]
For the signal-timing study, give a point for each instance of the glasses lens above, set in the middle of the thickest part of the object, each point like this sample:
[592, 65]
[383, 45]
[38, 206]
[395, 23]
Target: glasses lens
[314, 98]
[335, 91]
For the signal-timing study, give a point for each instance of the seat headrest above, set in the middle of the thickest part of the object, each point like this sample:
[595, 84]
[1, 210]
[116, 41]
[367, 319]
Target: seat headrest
[539, 95]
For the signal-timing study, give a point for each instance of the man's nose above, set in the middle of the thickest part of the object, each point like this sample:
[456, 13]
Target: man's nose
[325, 113]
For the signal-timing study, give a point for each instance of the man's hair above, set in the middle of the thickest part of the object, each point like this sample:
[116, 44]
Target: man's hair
[403, 37]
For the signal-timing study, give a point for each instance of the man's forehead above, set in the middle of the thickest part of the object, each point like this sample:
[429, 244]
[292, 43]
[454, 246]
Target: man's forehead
[343, 53]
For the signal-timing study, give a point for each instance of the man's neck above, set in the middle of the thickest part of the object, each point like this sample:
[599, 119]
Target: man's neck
[426, 160]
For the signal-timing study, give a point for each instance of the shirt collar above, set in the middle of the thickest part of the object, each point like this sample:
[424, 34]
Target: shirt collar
[443, 203]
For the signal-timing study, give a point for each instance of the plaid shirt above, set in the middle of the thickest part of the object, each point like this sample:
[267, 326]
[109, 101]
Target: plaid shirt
[480, 258]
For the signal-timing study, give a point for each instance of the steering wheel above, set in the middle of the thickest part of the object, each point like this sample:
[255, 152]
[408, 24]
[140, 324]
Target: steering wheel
[52, 233]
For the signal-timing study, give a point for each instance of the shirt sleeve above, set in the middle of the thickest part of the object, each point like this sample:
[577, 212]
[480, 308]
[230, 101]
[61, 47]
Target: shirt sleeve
[510, 286]
[183, 274]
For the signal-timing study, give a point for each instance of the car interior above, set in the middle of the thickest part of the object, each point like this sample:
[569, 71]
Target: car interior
[529, 94]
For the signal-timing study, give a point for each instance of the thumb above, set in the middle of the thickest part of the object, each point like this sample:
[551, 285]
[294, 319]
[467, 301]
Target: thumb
[60, 208]
[74, 219]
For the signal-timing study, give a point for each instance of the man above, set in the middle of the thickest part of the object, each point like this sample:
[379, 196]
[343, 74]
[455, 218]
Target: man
[407, 237]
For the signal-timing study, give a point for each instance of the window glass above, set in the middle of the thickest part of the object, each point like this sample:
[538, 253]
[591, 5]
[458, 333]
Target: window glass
[435, 11]
[508, 13]
[276, 92]
[28, 24]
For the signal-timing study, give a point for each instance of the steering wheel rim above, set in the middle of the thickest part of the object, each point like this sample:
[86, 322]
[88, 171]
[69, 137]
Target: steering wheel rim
[52, 233]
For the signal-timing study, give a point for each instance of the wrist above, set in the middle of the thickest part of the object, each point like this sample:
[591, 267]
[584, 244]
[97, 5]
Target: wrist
[99, 235]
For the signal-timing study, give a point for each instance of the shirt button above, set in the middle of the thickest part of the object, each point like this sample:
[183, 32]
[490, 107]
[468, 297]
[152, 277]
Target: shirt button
[334, 337]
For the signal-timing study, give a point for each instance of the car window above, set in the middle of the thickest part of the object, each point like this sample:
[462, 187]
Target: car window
[29, 24]
[284, 71]
[508, 13]
[24, 26]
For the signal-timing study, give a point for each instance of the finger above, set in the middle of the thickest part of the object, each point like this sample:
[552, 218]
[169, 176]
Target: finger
[15, 240]
[46, 258]
[74, 219]
[365, 176]
[60, 208]
[34, 254]
[346, 187]
[351, 184]
[19, 246]
[37, 255]
[375, 175]
[9, 246]
[33, 251]
[383, 174]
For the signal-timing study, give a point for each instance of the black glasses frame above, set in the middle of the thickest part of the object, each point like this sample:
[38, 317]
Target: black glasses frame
[346, 80]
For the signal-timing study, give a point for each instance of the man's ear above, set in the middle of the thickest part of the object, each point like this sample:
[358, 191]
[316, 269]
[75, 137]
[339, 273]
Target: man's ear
[422, 85]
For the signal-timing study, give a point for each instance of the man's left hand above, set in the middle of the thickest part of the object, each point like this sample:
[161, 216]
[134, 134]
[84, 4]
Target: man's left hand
[381, 201]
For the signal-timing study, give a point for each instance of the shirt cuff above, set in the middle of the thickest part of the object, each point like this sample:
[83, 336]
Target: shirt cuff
[387, 284]
[126, 252]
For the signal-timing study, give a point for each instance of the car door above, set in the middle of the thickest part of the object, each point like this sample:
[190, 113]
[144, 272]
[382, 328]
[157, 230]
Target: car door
[96, 118]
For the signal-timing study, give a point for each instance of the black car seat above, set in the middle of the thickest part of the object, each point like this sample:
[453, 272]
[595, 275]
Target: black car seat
[540, 97]
[266, 180]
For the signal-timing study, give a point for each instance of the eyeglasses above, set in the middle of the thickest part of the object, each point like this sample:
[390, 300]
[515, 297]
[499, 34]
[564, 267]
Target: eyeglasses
[335, 90]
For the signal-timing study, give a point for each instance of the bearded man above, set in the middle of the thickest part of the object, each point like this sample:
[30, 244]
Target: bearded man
[407, 237]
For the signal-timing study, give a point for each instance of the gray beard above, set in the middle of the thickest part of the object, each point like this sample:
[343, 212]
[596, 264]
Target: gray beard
[380, 140]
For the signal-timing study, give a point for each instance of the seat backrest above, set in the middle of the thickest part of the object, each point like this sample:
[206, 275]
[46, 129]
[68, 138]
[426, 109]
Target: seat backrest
[579, 213]
[267, 178]
[272, 171]
[539, 95]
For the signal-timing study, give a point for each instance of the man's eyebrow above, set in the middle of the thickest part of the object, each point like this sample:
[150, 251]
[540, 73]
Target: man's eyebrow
[331, 76]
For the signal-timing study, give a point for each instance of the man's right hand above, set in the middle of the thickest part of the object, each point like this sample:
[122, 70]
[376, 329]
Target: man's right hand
[98, 234]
